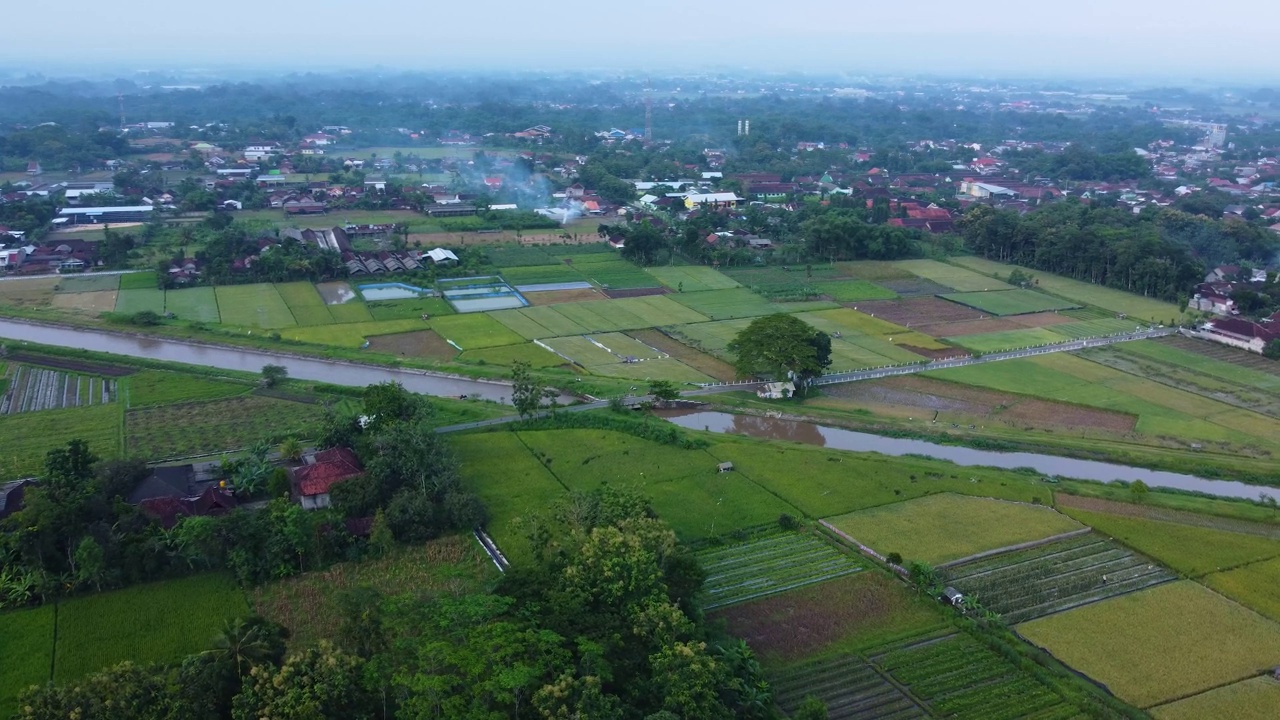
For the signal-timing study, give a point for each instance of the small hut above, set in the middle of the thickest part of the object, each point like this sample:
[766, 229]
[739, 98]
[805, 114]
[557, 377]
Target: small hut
[724, 467]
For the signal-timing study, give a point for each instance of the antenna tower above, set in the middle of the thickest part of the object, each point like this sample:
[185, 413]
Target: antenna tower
[120, 98]
[648, 111]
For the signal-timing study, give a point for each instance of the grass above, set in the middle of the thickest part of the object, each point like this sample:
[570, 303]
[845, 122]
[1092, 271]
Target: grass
[540, 274]
[27, 639]
[1010, 302]
[509, 354]
[183, 430]
[957, 278]
[162, 387]
[129, 302]
[1192, 551]
[616, 274]
[514, 485]
[534, 323]
[948, 527]
[475, 330]
[138, 281]
[259, 305]
[28, 436]
[692, 278]
[850, 614]
[198, 303]
[89, 283]
[1117, 301]
[1252, 585]
[1008, 339]
[305, 303]
[1254, 699]
[726, 304]
[151, 623]
[308, 604]
[822, 483]
[1161, 644]
[352, 311]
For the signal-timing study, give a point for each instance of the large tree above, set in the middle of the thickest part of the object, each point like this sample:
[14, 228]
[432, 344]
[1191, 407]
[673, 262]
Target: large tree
[782, 346]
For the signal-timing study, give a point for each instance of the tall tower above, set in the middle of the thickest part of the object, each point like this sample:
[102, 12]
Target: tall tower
[120, 99]
[648, 112]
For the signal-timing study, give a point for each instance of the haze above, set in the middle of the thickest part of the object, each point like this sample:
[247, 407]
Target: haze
[1188, 39]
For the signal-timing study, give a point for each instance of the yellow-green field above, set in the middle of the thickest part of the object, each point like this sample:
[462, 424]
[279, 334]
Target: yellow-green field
[1254, 699]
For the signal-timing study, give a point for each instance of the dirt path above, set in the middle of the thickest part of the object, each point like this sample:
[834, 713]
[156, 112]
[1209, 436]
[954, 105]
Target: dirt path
[1147, 512]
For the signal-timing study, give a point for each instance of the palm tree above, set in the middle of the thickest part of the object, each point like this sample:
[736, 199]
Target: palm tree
[291, 448]
[245, 642]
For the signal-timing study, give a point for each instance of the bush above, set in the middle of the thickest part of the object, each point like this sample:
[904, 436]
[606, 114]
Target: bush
[786, 522]
[893, 558]
[144, 318]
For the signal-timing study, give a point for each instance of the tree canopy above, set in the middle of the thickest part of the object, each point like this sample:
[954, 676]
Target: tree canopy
[782, 346]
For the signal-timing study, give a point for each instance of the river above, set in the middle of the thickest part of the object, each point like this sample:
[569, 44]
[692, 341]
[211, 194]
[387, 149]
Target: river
[247, 360]
[1049, 465]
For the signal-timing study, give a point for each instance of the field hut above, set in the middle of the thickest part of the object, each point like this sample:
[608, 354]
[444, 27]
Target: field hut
[952, 596]
[724, 467]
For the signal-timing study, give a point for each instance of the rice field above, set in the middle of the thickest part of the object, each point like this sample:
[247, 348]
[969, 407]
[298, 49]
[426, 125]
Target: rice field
[259, 306]
[947, 527]
[726, 304]
[959, 279]
[133, 301]
[1253, 699]
[197, 303]
[1253, 585]
[763, 566]
[89, 283]
[1161, 644]
[27, 639]
[138, 281]
[692, 278]
[28, 436]
[848, 686]
[854, 290]
[1010, 302]
[1008, 340]
[538, 274]
[474, 330]
[305, 303]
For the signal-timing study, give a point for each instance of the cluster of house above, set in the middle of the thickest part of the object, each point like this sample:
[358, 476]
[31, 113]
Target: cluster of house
[22, 258]
[170, 493]
[1214, 295]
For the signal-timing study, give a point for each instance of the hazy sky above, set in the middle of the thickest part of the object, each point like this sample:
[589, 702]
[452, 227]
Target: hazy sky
[1218, 39]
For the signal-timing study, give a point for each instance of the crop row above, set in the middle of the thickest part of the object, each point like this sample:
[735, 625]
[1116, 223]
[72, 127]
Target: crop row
[849, 687]
[771, 565]
[746, 549]
[34, 389]
[1080, 544]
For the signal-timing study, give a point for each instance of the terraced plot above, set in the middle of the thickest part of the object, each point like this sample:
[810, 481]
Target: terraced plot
[769, 565]
[1025, 585]
[850, 688]
[959, 678]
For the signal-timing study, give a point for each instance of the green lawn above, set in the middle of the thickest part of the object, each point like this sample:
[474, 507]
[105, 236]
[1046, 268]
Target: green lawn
[854, 290]
[1162, 643]
[942, 528]
[161, 387]
[1254, 586]
[692, 278]
[1192, 551]
[129, 302]
[198, 303]
[258, 305]
[1010, 302]
[1254, 699]
[151, 623]
[28, 436]
[475, 330]
[26, 639]
[1084, 293]
[1008, 339]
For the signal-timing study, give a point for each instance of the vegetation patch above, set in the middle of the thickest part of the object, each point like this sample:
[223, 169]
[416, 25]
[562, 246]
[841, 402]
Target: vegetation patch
[1252, 585]
[152, 623]
[474, 330]
[129, 302]
[220, 425]
[138, 281]
[542, 274]
[354, 311]
[616, 274]
[854, 290]
[419, 343]
[351, 335]
[1161, 644]
[164, 387]
[957, 278]
[90, 302]
[1008, 340]
[1050, 578]
[198, 303]
[1010, 302]
[412, 308]
[1254, 699]
[258, 305]
[514, 485]
[696, 359]
[847, 685]
[29, 436]
[27, 639]
[948, 527]
[89, 283]
[772, 564]
[309, 604]
[726, 304]
[692, 278]
[509, 354]
[28, 292]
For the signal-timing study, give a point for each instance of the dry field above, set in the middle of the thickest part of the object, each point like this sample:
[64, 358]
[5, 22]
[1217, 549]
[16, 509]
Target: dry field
[90, 302]
[553, 297]
[913, 312]
[696, 359]
[421, 343]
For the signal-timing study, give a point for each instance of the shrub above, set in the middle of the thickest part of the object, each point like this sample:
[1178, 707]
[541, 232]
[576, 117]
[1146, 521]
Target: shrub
[786, 522]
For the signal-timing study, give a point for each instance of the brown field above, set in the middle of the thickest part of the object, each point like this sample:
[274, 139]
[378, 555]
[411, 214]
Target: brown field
[551, 297]
[862, 609]
[943, 397]
[93, 302]
[635, 292]
[913, 312]
[696, 359]
[1153, 512]
[420, 343]
[1232, 355]
[970, 327]
[86, 367]
[27, 292]
[1041, 319]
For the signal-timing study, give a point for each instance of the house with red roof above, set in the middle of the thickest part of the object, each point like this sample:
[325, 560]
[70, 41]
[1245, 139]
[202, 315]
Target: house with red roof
[320, 472]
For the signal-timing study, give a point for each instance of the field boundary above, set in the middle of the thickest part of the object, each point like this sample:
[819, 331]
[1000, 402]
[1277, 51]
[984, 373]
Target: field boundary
[1169, 515]
[865, 550]
[1229, 683]
[1015, 548]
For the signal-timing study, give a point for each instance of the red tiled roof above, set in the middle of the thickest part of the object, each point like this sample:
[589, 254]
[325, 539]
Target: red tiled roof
[330, 468]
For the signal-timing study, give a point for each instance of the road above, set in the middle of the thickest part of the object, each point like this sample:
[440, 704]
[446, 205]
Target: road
[855, 376]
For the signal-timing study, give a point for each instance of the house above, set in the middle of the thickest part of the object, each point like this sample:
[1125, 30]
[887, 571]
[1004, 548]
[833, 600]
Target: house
[11, 494]
[724, 199]
[1222, 272]
[575, 191]
[304, 207]
[33, 168]
[440, 255]
[1241, 333]
[106, 215]
[724, 467]
[320, 472]
[318, 139]
[167, 511]
[776, 390]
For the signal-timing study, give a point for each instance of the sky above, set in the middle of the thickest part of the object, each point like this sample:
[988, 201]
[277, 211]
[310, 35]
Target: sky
[1221, 40]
